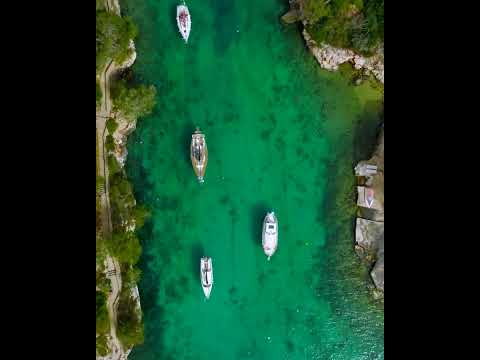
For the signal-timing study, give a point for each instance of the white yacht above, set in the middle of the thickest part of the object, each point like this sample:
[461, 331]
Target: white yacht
[206, 275]
[184, 22]
[270, 234]
[199, 154]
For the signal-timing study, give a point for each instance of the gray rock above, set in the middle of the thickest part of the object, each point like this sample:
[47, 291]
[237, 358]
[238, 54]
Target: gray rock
[330, 57]
[378, 270]
[377, 273]
[369, 234]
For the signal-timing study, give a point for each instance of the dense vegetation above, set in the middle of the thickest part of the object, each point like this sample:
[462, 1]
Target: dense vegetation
[100, 4]
[129, 320]
[133, 102]
[125, 246]
[99, 94]
[103, 323]
[353, 24]
[114, 34]
[113, 38]
[111, 125]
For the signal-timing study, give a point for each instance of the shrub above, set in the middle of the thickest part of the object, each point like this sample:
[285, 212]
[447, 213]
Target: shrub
[109, 143]
[111, 125]
[353, 24]
[133, 102]
[130, 326]
[113, 35]
[103, 321]
[102, 347]
[99, 94]
[125, 246]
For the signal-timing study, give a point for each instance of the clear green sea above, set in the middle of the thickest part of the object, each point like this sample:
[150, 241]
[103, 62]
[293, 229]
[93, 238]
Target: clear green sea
[282, 134]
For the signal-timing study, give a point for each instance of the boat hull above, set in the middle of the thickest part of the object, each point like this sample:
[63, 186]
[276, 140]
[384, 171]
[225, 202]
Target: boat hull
[184, 22]
[199, 155]
[270, 234]
[206, 275]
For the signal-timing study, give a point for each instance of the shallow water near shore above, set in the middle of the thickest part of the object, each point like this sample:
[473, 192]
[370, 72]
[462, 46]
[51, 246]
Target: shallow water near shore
[279, 129]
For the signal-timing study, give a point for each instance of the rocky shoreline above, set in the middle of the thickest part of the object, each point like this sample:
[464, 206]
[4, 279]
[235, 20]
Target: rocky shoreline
[369, 232]
[125, 126]
[329, 57]
[120, 136]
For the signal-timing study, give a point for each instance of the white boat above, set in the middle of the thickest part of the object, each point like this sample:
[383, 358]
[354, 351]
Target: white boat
[199, 154]
[184, 21]
[369, 197]
[270, 234]
[206, 275]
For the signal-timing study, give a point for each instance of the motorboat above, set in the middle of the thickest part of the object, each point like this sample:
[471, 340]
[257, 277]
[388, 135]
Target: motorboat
[270, 234]
[184, 21]
[199, 154]
[206, 275]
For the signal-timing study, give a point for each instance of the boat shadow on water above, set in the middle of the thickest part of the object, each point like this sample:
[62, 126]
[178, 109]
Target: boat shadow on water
[173, 18]
[197, 253]
[257, 215]
[187, 132]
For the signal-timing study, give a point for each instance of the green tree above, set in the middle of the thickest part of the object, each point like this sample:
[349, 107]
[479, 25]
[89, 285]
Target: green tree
[129, 320]
[111, 125]
[99, 94]
[314, 10]
[353, 24]
[103, 321]
[125, 246]
[109, 143]
[102, 282]
[113, 166]
[102, 347]
[133, 102]
[140, 214]
[113, 36]
[131, 276]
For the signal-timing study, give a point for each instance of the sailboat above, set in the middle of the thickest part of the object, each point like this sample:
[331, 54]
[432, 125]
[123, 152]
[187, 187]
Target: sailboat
[369, 197]
[206, 275]
[184, 21]
[199, 154]
[270, 234]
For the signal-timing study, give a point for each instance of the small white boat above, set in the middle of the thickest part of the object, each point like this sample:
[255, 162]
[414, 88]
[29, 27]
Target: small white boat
[270, 234]
[369, 197]
[199, 154]
[206, 275]
[184, 22]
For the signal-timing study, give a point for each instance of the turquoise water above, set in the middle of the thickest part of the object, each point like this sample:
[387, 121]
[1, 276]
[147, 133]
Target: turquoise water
[279, 132]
